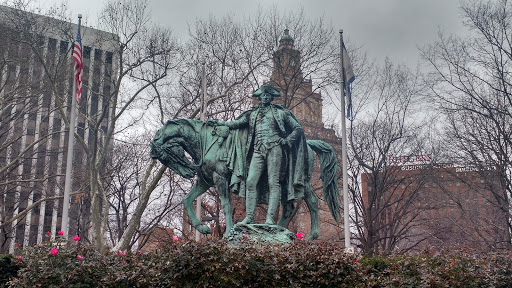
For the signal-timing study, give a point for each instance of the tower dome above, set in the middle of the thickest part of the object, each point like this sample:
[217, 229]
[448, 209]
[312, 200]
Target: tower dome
[286, 39]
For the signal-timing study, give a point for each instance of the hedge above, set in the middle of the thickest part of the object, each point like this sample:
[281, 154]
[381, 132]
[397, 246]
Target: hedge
[215, 264]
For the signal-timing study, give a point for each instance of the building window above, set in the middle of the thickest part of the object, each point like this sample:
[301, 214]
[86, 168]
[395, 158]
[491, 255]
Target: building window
[63, 49]
[108, 57]
[106, 89]
[87, 52]
[52, 44]
[94, 104]
[56, 128]
[80, 129]
[97, 55]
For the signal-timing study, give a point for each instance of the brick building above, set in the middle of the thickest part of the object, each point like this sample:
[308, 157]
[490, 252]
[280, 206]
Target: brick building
[442, 206]
[159, 238]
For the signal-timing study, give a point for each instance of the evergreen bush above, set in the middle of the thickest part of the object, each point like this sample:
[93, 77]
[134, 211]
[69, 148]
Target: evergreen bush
[215, 264]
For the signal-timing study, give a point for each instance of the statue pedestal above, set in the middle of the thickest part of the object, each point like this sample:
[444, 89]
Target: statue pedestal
[260, 233]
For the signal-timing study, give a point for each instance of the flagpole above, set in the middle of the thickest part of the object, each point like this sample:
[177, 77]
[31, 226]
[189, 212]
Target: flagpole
[202, 117]
[69, 161]
[346, 220]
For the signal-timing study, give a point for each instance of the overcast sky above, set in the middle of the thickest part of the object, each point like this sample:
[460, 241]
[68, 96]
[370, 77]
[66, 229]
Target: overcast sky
[390, 28]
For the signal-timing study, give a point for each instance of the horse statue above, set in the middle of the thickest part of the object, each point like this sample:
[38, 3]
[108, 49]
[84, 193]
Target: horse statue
[210, 151]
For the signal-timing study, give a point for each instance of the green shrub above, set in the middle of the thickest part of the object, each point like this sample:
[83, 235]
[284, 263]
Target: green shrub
[215, 264]
[8, 269]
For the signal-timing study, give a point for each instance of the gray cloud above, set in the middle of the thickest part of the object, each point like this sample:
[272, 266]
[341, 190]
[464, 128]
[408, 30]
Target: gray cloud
[390, 28]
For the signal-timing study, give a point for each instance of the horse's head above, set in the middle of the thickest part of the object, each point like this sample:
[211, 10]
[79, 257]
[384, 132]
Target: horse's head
[169, 146]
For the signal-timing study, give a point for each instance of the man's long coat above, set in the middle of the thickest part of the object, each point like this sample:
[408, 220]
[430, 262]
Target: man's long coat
[295, 157]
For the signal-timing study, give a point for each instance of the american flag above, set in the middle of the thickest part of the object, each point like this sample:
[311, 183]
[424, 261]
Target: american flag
[77, 56]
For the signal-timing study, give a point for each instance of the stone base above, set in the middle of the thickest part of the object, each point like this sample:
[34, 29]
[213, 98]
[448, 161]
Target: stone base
[260, 233]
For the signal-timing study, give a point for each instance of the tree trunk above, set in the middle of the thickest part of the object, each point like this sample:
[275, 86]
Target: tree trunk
[95, 210]
[130, 230]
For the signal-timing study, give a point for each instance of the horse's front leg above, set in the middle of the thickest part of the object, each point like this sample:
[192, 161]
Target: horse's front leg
[198, 189]
[221, 184]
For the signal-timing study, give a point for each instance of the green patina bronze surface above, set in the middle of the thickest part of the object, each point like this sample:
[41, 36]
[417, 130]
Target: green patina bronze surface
[262, 155]
[260, 233]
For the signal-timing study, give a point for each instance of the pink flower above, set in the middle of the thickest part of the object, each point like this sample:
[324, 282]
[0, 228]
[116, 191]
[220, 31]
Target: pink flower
[175, 238]
[54, 251]
[48, 233]
[60, 232]
[167, 263]
[122, 253]
[79, 257]
[19, 257]
[357, 262]
[76, 238]
[246, 236]
[140, 252]
[300, 235]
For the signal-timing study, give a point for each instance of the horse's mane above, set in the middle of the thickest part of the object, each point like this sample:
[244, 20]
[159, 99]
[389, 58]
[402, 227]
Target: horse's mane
[194, 123]
[167, 153]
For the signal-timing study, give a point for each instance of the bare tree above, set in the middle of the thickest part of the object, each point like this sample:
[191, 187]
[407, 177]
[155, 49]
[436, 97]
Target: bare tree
[139, 57]
[239, 54]
[232, 55]
[146, 55]
[386, 211]
[470, 78]
[128, 166]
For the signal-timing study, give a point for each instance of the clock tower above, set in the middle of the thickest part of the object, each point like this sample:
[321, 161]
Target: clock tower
[298, 95]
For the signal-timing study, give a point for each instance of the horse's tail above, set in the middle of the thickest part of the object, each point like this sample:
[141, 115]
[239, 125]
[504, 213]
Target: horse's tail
[329, 168]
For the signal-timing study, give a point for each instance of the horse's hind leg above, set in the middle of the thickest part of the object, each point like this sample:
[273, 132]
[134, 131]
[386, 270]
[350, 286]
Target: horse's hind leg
[221, 184]
[312, 203]
[198, 189]
[288, 207]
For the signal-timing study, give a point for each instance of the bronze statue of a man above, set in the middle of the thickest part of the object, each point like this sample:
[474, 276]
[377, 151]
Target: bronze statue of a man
[276, 153]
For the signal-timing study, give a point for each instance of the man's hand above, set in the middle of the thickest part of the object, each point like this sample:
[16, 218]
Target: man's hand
[284, 142]
[212, 122]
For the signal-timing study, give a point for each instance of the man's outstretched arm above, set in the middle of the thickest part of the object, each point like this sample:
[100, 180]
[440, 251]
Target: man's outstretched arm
[240, 122]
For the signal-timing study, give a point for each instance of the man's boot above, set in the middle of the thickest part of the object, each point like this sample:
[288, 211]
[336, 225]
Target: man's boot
[273, 203]
[250, 206]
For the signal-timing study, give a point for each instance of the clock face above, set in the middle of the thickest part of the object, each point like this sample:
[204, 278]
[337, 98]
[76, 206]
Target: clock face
[292, 61]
